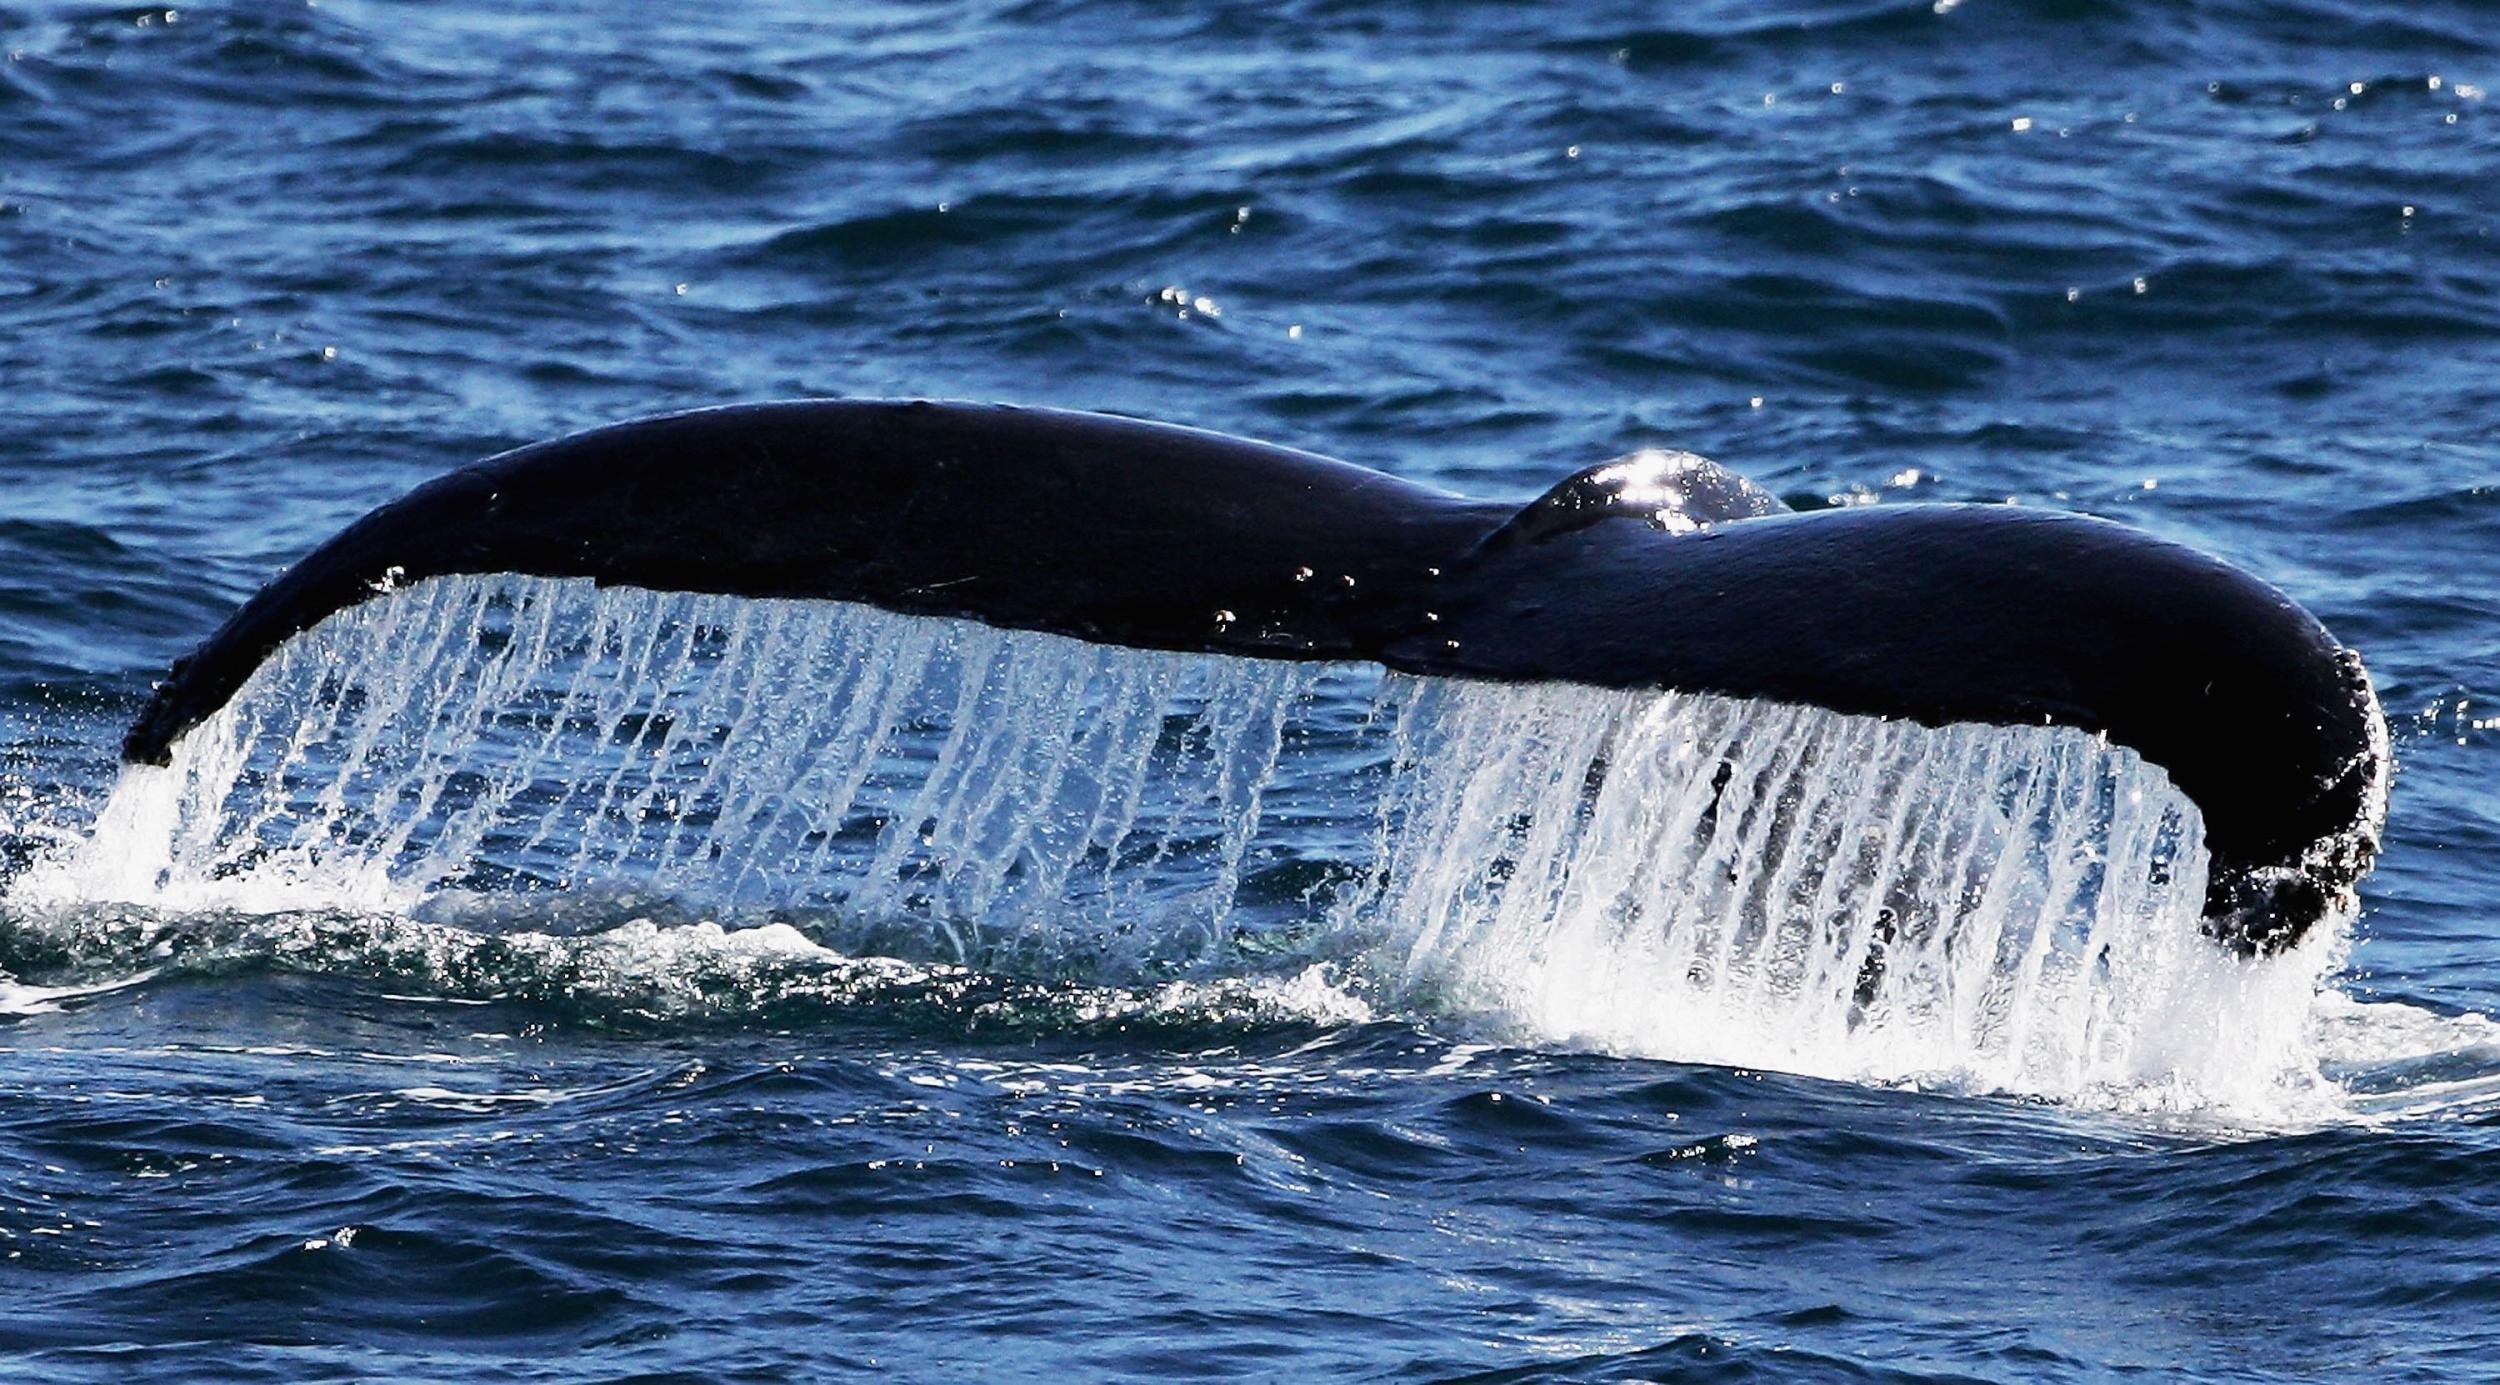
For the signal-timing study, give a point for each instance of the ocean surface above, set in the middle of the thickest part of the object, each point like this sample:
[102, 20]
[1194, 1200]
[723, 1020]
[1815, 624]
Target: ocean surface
[569, 1106]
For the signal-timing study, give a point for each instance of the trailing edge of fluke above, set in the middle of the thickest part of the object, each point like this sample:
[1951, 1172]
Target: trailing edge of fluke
[1657, 570]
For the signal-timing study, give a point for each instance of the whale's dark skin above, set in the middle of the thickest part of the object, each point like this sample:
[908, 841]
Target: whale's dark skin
[1170, 538]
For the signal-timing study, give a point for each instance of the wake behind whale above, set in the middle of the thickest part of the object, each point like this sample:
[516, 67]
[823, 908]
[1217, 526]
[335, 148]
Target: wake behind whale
[479, 705]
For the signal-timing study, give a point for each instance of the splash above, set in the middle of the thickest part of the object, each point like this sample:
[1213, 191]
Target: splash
[1681, 876]
[2004, 909]
[550, 751]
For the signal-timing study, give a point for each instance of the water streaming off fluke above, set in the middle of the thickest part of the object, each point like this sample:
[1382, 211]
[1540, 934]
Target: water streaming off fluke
[1684, 876]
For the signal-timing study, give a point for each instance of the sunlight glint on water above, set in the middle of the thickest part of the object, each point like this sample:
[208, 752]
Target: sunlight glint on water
[1681, 876]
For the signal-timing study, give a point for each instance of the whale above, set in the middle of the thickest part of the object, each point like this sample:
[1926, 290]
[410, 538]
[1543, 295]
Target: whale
[1656, 570]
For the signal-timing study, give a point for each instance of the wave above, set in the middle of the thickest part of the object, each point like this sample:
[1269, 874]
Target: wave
[637, 975]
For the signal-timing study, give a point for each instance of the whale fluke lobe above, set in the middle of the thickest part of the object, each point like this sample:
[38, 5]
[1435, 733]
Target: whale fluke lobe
[1656, 571]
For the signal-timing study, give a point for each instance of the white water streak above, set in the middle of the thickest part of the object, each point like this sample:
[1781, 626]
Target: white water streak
[1676, 875]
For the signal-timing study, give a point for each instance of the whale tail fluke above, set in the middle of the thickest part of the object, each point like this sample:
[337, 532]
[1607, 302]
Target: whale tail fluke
[1655, 571]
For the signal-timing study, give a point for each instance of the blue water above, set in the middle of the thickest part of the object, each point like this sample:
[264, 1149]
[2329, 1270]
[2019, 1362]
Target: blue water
[2222, 269]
